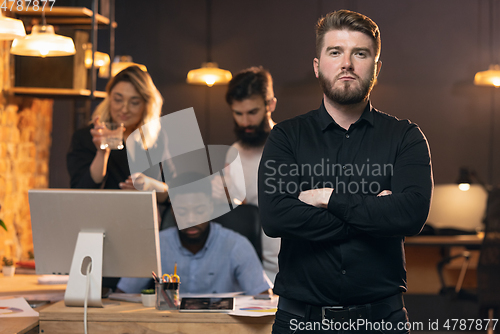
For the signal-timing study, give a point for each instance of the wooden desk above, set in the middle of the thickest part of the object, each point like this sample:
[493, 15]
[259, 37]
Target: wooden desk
[27, 285]
[125, 317]
[24, 285]
[444, 240]
[424, 252]
[25, 325]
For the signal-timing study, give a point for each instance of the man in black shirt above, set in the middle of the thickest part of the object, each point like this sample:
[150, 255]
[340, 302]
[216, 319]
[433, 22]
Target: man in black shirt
[342, 186]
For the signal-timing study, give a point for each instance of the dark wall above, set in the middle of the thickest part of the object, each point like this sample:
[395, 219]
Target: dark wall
[430, 53]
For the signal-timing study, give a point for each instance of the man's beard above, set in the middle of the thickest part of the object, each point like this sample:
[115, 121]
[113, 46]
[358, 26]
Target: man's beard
[194, 241]
[256, 138]
[347, 95]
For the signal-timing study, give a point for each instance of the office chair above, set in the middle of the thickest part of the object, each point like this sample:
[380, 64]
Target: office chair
[245, 220]
[466, 255]
[488, 270]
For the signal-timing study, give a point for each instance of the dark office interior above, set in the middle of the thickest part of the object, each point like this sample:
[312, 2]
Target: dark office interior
[431, 51]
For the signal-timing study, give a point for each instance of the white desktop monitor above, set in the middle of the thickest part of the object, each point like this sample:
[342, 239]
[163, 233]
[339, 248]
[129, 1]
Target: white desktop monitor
[116, 229]
[457, 209]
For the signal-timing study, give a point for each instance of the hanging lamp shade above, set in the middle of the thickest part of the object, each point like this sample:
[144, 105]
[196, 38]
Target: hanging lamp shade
[491, 77]
[43, 42]
[11, 28]
[100, 58]
[209, 74]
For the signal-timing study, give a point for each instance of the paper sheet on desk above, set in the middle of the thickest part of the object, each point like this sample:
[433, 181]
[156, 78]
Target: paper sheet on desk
[53, 279]
[247, 306]
[16, 307]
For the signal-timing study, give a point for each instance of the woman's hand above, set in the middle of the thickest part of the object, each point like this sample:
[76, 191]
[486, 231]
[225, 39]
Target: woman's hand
[98, 133]
[99, 165]
[139, 181]
[127, 185]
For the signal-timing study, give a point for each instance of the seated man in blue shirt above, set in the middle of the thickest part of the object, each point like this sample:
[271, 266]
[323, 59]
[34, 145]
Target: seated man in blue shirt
[209, 257]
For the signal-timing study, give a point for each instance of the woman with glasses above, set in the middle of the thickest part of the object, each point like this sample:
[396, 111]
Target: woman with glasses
[132, 101]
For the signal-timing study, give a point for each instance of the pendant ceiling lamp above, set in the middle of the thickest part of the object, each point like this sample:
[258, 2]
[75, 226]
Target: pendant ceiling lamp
[10, 28]
[43, 42]
[209, 74]
[100, 59]
[490, 77]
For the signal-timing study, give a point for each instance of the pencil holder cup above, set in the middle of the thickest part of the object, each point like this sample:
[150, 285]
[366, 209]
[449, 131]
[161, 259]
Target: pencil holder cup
[167, 296]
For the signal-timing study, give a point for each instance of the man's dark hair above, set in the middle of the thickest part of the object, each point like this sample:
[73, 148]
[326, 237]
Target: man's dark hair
[347, 20]
[250, 82]
[204, 187]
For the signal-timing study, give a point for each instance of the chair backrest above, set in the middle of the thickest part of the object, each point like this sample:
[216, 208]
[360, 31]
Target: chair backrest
[245, 220]
[488, 270]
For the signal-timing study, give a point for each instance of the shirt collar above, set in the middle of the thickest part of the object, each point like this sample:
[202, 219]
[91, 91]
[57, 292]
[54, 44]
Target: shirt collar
[325, 120]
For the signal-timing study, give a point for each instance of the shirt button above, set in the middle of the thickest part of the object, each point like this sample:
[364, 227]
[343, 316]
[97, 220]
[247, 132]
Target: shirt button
[347, 135]
[343, 272]
[344, 167]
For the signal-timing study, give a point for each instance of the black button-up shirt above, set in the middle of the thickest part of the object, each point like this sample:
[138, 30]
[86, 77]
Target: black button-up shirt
[352, 252]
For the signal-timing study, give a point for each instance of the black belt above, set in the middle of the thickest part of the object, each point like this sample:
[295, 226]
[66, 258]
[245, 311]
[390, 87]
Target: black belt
[374, 311]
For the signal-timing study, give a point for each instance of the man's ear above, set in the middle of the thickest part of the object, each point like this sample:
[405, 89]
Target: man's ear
[316, 67]
[271, 105]
[379, 66]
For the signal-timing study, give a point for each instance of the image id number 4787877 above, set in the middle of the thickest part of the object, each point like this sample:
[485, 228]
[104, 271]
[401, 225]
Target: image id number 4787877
[469, 324]
[25, 5]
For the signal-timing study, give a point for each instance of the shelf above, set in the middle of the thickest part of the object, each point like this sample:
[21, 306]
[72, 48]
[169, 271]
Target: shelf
[79, 16]
[55, 92]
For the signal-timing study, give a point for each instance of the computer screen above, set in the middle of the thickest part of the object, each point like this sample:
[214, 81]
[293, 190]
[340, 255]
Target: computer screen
[457, 209]
[126, 220]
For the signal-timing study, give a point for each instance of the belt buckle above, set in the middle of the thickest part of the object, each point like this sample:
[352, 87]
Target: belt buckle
[323, 308]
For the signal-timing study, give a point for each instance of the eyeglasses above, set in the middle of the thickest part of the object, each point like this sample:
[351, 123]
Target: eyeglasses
[132, 103]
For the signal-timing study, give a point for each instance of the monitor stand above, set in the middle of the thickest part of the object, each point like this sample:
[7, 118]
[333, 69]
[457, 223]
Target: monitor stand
[89, 248]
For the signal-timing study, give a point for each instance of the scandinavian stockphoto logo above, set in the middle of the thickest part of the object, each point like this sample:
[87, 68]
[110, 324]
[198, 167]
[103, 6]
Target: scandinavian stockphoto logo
[294, 178]
[175, 140]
